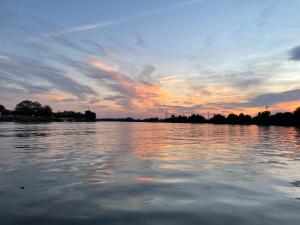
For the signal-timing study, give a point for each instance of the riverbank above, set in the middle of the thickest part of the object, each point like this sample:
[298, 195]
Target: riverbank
[295, 124]
[125, 120]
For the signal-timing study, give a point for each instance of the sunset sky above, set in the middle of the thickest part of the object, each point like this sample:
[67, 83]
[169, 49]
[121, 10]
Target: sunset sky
[138, 57]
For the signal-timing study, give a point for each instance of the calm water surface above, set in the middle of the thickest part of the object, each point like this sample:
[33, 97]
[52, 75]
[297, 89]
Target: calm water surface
[146, 173]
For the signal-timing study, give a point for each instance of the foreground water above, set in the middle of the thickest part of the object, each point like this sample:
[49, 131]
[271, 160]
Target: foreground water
[146, 173]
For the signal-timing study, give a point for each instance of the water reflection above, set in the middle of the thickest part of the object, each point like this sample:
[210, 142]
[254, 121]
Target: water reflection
[146, 173]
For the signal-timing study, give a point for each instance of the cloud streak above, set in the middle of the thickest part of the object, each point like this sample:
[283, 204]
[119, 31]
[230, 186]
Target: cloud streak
[274, 98]
[101, 24]
[20, 69]
[130, 92]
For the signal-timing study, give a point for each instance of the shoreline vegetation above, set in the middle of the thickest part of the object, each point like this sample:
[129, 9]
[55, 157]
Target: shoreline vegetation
[28, 111]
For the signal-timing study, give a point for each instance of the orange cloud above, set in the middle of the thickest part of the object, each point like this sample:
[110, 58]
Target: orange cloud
[148, 98]
[138, 95]
[286, 106]
[56, 96]
[99, 64]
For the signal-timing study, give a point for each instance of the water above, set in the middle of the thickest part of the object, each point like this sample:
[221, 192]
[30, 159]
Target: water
[148, 173]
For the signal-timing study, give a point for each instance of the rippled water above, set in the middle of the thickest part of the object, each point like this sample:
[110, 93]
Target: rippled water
[149, 173]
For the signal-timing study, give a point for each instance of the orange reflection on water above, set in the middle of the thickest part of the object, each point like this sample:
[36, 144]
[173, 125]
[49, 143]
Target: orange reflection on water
[175, 166]
[161, 152]
[147, 179]
[144, 179]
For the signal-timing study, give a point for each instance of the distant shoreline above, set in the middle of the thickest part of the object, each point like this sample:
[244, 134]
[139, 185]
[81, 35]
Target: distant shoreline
[296, 124]
[34, 112]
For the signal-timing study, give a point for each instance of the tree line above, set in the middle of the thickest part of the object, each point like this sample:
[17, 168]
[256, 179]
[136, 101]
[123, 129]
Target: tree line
[262, 118]
[35, 111]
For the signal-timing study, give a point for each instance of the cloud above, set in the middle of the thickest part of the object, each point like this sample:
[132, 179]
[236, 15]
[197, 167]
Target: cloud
[261, 19]
[130, 92]
[92, 26]
[4, 89]
[259, 101]
[265, 14]
[274, 98]
[113, 97]
[63, 40]
[99, 48]
[3, 57]
[249, 82]
[53, 38]
[145, 74]
[295, 53]
[20, 70]
[188, 3]
[101, 24]
[277, 100]
[254, 74]
[140, 41]
[68, 100]
[36, 88]
[119, 44]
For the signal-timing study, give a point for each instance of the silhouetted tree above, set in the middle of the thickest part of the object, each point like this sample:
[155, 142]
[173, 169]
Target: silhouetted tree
[262, 118]
[282, 118]
[28, 108]
[90, 116]
[245, 119]
[297, 114]
[218, 118]
[154, 119]
[196, 118]
[3, 109]
[232, 119]
[46, 111]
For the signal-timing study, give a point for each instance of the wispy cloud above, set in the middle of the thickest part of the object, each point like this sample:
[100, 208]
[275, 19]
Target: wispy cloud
[260, 21]
[20, 70]
[97, 25]
[92, 26]
[140, 41]
[188, 3]
[274, 98]
[3, 57]
[130, 93]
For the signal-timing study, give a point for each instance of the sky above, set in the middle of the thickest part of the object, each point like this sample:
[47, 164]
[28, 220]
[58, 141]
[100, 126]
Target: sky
[139, 57]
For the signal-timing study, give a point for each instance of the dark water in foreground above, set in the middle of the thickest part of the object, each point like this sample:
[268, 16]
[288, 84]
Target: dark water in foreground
[145, 173]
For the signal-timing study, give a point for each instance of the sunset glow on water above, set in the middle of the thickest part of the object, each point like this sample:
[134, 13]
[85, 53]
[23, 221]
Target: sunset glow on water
[133, 173]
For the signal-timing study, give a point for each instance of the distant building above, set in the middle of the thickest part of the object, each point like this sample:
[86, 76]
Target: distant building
[90, 116]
